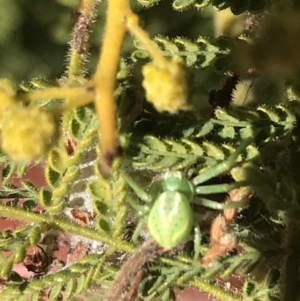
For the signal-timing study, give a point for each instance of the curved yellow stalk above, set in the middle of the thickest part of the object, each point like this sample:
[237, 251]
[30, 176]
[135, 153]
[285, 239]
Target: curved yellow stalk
[104, 79]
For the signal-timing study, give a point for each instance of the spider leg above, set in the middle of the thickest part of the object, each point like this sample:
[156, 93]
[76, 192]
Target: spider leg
[218, 188]
[221, 167]
[138, 230]
[141, 193]
[140, 209]
[220, 206]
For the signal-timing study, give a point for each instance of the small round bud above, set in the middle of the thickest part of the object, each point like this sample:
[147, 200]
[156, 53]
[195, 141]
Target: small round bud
[166, 87]
[27, 133]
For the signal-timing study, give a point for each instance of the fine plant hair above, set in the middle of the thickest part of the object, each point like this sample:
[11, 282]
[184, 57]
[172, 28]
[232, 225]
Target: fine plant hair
[118, 117]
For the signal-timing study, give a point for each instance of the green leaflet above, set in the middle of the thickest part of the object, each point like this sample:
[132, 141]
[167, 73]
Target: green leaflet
[200, 53]
[237, 7]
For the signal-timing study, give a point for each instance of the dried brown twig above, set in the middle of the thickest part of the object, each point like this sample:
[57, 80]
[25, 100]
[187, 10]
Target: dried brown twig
[131, 272]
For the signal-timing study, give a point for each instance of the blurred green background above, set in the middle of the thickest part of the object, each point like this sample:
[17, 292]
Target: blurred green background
[34, 35]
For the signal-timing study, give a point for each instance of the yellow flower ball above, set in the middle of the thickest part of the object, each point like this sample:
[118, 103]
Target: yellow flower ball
[7, 93]
[166, 87]
[7, 86]
[27, 133]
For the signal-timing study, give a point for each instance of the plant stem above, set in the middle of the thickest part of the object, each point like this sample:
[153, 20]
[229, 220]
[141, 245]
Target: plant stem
[119, 18]
[80, 38]
[214, 290]
[289, 280]
[64, 225]
[104, 79]
[146, 252]
[79, 95]
[135, 29]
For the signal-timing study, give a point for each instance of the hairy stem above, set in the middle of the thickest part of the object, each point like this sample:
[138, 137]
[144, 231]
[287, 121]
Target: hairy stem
[64, 225]
[214, 290]
[79, 95]
[146, 252]
[80, 38]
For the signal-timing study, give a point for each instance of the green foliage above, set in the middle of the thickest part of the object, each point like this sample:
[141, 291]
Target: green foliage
[198, 54]
[237, 7]
[227, 129]
[219, 146]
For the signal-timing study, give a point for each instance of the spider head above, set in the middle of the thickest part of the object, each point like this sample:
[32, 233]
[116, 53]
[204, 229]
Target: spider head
[176, 181]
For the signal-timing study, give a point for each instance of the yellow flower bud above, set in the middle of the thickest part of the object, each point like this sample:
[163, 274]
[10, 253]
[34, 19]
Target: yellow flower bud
[166, 87]
[27, 133]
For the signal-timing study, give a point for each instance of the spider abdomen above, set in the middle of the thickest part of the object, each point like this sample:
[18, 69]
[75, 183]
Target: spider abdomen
[171, 219]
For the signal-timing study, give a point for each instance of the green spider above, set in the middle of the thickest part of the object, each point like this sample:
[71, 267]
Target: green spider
[167, 205]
